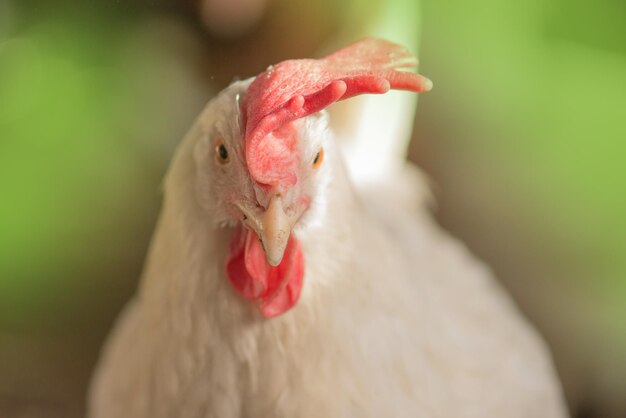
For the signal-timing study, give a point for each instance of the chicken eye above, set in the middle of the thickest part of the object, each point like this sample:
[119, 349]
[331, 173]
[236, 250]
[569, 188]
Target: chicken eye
[222, 153]
[319, 158]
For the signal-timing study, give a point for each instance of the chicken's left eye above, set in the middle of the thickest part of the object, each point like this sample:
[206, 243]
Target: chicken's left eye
[319, 158]
[222, 153]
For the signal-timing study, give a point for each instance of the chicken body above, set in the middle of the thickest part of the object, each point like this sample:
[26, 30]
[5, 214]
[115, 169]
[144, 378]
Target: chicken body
[395, 319]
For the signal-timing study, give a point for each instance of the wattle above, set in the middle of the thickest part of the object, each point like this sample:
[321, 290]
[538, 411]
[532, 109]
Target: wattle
[277, 289]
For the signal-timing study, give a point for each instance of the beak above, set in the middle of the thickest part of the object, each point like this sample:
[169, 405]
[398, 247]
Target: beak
[273, 227]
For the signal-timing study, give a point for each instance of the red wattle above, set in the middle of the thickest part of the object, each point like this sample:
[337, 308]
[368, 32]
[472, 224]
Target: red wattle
[277, 289]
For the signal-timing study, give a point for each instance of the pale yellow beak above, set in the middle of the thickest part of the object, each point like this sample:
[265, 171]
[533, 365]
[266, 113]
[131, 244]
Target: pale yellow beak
[273, 226]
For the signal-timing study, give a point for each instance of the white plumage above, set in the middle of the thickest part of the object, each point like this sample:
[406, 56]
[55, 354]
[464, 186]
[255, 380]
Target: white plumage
[396, 319]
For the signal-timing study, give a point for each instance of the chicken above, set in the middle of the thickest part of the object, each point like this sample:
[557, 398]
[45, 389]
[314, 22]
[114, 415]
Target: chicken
[275, 288]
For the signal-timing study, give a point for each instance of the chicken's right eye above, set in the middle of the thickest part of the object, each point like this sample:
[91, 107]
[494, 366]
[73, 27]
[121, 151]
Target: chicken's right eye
[222, 153]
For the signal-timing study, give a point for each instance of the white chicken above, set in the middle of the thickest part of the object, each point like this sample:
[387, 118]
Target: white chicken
[274, 288]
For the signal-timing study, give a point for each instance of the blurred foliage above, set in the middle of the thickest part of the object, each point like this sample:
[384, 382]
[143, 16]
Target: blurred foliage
[525, 134]
[87, 126]
[543, 104]
[598, 25]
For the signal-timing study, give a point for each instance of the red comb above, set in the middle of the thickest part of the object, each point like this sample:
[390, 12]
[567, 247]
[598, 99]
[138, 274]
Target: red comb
[294, 89]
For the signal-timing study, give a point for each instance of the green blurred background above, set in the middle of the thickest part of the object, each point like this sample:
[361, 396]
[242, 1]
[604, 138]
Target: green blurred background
[524, 137]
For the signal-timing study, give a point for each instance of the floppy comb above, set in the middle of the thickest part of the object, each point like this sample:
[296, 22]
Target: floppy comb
[293, 89]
